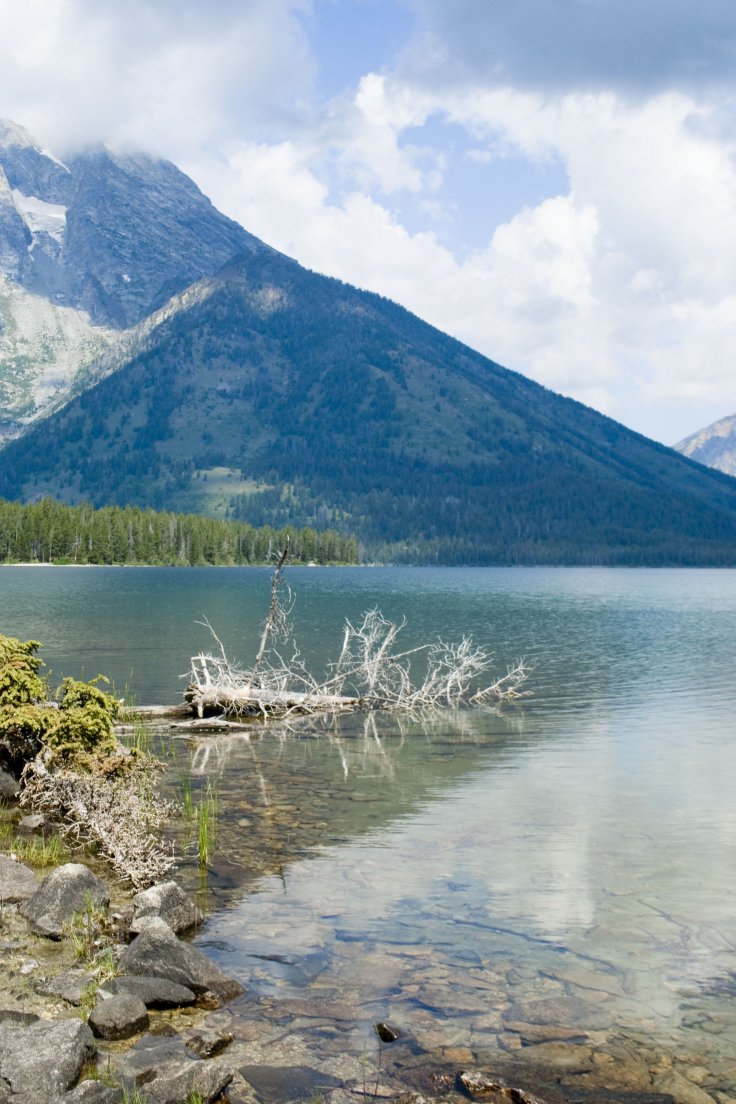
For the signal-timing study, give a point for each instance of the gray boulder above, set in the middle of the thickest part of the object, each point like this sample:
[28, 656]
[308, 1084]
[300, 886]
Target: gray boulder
[169, 902]
[118, 1017]
[17, 882]
[8, 786]
[92, 1092]
[33, 824]
[155, 992]
[168, 1075]
[157, 952]
[67, 890]
[17, 1016]
[69, 986]
[43, 1060]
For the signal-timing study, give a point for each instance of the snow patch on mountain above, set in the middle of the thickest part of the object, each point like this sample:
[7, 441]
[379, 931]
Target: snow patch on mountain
[42, 348]
[41, 217]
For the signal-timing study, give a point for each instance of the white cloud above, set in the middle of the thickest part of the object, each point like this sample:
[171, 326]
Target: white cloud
[169, 76]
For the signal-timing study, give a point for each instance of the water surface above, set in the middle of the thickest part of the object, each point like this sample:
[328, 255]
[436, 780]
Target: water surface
[549, 885]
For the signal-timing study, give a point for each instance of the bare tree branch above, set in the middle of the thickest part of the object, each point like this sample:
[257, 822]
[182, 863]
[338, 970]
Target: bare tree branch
[369, 673]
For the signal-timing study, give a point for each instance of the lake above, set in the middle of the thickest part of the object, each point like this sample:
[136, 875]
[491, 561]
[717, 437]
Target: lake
[545, 889]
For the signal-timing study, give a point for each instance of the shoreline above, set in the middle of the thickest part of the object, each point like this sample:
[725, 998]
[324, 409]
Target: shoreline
[253, 1039]
[197, 567]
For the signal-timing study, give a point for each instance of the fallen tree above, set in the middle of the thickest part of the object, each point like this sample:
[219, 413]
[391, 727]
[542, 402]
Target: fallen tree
[370, 672]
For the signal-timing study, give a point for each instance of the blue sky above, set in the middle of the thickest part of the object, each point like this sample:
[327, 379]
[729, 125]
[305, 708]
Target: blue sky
[552, 181]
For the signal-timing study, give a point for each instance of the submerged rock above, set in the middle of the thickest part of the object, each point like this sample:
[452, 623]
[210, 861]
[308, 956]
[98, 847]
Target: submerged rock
[67, 890]
[157, 952]
[493, 1090]
[682, 1090]
[169, 902]
[571, 1057]
[560, 1012]
[208, 1043]
[285, 1083]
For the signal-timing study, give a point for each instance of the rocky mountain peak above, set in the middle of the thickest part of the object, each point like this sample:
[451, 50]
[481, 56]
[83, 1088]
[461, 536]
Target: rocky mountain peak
[12, 135]
[112, 232]
[714, 446]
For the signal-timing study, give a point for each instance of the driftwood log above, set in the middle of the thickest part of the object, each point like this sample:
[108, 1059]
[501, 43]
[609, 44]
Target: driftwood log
[241, 701]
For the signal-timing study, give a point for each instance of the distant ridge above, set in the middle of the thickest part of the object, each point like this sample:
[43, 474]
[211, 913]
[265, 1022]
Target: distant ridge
[715, 445]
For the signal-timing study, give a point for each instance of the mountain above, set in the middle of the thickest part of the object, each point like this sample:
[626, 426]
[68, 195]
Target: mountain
[90, 247]
[715, 445]
[189, 366]
[296, 397]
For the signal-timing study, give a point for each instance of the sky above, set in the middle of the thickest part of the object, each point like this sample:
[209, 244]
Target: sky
[551, 181]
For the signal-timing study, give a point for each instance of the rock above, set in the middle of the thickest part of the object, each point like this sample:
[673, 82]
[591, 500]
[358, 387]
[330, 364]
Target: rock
[168, 902]
[33, 824]
[43, 1059]
[17, 882]
[157, 952]
[457, 1055]
[69, 986]
[67, 890]
[8, 786]
[93, 1092]
[681, 1089]
[386, 1033]
[561, 1056]
[16, 1016]
[118, 1017]
[209, 1000]
[560, 1012]
[155, 992]
[284, 1083]
[545, 1033]
[168, 1075]
[208, 1043]
[493, 1090]
[595, 981]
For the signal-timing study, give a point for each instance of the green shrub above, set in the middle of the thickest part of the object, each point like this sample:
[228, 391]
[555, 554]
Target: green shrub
[76, 729]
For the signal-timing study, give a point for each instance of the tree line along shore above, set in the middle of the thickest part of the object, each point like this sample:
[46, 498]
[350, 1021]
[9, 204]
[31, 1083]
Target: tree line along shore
[52, 532]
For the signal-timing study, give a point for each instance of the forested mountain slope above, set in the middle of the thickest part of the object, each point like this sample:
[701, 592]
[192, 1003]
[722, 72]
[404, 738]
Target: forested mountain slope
[310, 400]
